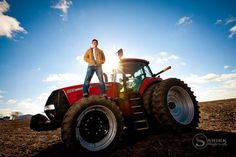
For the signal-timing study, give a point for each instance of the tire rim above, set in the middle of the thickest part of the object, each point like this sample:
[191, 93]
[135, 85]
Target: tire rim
[96, 127]
[180, 105]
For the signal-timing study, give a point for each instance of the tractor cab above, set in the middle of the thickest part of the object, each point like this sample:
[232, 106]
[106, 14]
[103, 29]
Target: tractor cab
[130, 73]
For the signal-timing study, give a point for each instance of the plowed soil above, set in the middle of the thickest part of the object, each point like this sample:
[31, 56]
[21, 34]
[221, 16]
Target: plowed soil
[217, 124]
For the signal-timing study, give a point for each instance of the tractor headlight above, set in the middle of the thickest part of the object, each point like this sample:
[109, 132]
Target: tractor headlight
[49, 107]
[50, 111]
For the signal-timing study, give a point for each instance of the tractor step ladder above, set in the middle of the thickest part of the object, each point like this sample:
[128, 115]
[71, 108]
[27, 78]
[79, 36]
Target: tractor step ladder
[139, 116]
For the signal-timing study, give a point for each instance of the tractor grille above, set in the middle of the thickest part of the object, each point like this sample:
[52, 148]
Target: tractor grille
[59, 100]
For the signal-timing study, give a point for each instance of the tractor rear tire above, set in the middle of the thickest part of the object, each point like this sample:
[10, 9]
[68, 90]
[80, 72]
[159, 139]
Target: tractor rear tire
[174, 105]
[147, 99]
[147, 103]
[92, 125]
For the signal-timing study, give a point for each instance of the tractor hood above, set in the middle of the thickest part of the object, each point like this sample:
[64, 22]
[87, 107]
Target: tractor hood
[74, 93]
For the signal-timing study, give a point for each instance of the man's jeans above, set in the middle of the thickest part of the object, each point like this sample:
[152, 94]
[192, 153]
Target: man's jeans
[89, 75]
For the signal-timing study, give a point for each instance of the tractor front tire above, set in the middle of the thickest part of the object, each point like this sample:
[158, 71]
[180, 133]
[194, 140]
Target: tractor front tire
[92, 125]
[174, 105]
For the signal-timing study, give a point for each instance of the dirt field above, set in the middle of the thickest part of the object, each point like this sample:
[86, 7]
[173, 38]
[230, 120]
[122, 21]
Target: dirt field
[217, 124]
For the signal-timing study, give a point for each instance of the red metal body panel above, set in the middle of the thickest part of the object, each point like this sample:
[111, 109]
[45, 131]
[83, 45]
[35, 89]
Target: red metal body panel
[74, 93]
[146, 82]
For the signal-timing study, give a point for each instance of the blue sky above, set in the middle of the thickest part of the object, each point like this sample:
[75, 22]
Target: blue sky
[42, 43]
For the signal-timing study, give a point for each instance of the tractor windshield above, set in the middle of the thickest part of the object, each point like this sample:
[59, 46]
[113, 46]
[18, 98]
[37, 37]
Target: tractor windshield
[133, 72]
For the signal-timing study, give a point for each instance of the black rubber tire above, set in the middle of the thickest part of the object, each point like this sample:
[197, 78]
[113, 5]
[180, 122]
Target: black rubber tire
[147, 103]
[147, 99]
[77, 113]
[161, 108]
[37, 121]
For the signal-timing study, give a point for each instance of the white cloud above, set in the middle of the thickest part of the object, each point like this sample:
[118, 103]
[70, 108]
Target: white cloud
[226, 21]
[226, 66]
[212, 86]
[66, 77]
[214, 93]
[226, 77]
[1, 96]
[174, 57]
[38, 69]
[25, 106]
[184, 20]
[232, 31]
[219, 21]
[230, 20]
[8, 25]
[234, 70]
[163, 53]
[81, 61]
[5, 111]
[222, 86]
[164, 58]
[4, 6]
[53, 87]
[148, 58]
[42, 96]
[193, 79]
[63, 5]
[11, 101]
[230, 84]
[210, 77]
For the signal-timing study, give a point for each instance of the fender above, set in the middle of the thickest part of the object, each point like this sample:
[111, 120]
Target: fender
[147, 82]
[75, 93]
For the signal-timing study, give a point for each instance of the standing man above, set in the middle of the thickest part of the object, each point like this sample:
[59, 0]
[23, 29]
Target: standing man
[95, 58]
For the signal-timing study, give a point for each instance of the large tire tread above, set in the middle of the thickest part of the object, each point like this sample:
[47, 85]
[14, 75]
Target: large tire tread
[161, 111]
[147, 103]
[69, 122]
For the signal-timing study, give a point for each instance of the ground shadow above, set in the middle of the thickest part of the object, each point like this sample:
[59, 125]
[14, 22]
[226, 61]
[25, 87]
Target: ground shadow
[204, 143]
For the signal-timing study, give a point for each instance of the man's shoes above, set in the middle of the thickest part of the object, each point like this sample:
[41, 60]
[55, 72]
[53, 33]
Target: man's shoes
[85, 95]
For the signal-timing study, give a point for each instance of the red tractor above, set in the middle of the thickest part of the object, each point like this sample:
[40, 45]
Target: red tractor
[136, 101]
